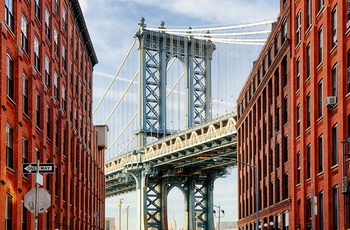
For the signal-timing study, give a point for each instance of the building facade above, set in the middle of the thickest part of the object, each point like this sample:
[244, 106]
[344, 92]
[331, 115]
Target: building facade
[46, 66]
[294, 121]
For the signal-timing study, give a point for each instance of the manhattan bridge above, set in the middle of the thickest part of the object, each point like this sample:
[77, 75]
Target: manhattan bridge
[170, 113]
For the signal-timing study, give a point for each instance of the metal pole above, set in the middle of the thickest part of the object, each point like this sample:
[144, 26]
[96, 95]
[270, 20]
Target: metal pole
[127, 218]
[36, 217]
[119, 213]
[219, 217]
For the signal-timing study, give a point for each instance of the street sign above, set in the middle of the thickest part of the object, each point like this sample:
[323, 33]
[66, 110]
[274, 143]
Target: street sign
[43, 168]
[44, 200]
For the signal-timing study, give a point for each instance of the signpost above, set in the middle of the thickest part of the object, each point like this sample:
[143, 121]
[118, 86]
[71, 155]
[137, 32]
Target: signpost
[44, 200]
[37, 200]
[43, 168]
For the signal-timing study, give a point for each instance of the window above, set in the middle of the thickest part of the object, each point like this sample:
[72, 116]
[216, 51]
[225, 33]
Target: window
[285, 110]
[334, 27]
[9, 13]
[9, 146]
[57, 134]
[276, 44]
[55, 41]
[320, 99]
[348, 10]
[37, 110]
[284, 73]
[269, 56]
[63, 92]
[9, 77]
[25, 95]
[298, 27]
[36, 54]
[8, 212]
[55, 83]
[335, 208]
[308, 161]
[56, 6]
[308, 110]
[320, 205]
[320, 5]
[285, 220]
[285, 186]
[48, 122]
[24, 150]
[47, 72]
[64, 19]
[284, 31]
[298, 168]
[24, 217]
[349, 71]
[285, 148]
[298, 74]
[24, 34]
[320, 45]
[309, 13]
[320, 154]
[47, 24]
[64, 57]
[335, 144]
[334, 81]
[298, 120]
[37, 9]
[308, 61]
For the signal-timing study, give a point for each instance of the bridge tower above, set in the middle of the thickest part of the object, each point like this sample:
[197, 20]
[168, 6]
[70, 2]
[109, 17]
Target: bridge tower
[155, 49]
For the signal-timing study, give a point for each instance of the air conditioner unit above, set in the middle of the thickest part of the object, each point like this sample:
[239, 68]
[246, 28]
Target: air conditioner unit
[330, 101]
[335, 38]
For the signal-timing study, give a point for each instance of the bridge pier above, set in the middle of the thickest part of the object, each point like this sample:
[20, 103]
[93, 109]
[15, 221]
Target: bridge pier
[152, 192]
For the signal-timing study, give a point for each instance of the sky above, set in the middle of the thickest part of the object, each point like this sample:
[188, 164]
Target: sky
[112, 24]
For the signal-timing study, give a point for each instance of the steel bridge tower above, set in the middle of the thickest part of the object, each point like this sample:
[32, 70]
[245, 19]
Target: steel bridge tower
[155, 49]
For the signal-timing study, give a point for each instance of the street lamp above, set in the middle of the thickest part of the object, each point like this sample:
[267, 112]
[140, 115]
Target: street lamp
[119, 213]
[219, 215]
[256, 192]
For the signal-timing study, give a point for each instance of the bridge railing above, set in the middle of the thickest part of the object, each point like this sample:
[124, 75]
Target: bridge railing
[195, 136]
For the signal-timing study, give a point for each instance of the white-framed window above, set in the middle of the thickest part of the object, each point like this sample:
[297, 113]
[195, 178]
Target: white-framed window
[64, 62]
[64, 19]
[298, 27]
[334, 26]
[36, 53]
[47, 24]
[320, 45]
[55, 41]
[25, 95]
[37, 9]
[8, 212]
[37, 109]
[9, 146]
[24, 33]
[47, 72]
[55, 83]
[9, 77]
[9, 13]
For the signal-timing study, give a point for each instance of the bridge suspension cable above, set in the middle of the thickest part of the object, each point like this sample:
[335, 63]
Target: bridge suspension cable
[121, 98]
[209, 33]
[114, 78]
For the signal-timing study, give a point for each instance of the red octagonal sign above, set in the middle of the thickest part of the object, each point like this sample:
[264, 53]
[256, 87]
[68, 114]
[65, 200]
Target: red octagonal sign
[44, 200]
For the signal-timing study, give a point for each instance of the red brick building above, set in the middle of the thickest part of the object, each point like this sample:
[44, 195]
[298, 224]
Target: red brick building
[46, 65]
[293, 118]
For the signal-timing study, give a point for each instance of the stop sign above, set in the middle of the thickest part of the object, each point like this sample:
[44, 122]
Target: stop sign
[44, 200]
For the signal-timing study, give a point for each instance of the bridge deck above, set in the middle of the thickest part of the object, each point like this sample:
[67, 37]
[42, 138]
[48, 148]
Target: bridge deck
[208, 147]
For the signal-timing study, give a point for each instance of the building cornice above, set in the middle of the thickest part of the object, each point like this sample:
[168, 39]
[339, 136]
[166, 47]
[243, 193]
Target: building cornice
[83, 31]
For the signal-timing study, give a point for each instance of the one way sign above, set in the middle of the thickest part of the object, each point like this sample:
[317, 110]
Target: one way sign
[43, 168]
